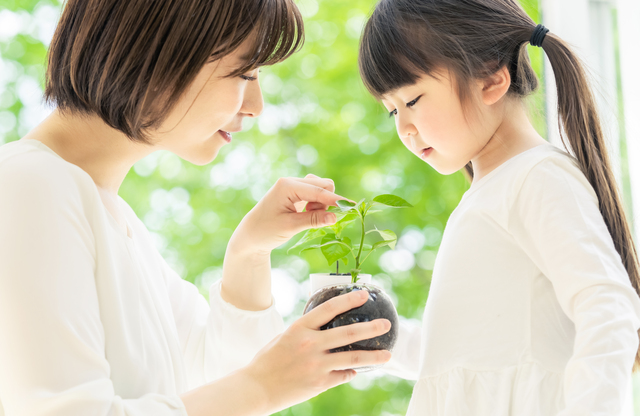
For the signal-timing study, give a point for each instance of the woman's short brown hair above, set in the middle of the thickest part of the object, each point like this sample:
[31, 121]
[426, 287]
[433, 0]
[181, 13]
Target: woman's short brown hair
[116, 58]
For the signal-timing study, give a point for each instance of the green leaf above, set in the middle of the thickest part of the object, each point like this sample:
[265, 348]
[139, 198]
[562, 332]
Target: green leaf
[343, 222]
[367, 209]
[345, 260]
[392, 201]
[345, 205]
[333, 250]
[364, 247]
[390, 243]
[388, 236]
[313, 247]
[311, 234]
[385, 234]
[362, 207]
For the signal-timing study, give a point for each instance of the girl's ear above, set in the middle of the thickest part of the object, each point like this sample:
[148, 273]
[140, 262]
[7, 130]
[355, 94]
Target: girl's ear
[495, 86]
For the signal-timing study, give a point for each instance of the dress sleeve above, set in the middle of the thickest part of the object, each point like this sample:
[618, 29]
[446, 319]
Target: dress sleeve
[406, 353]
[52, 343]
[217, 338]
[556, 220]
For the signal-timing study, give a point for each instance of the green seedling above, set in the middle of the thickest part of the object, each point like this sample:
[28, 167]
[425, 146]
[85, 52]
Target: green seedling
[337, 248]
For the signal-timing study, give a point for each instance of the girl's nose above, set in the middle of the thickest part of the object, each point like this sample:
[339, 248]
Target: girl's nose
[406, 129]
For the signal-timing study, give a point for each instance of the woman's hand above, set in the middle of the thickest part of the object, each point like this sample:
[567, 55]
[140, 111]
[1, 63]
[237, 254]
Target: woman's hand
[246, 272]
[279, 214]
[294, 367]
[297, 364]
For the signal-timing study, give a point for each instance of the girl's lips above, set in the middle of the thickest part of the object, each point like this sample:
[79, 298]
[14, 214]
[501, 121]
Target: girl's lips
[225, 135]
[426, 152]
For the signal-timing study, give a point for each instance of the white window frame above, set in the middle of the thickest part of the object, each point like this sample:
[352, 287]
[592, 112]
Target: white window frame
[587, 25]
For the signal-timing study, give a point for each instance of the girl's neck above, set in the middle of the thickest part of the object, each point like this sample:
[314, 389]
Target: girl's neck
[514, 135]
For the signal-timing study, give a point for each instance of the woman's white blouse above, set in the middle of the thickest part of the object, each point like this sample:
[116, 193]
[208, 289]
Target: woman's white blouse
[93, 322]
[530, 310]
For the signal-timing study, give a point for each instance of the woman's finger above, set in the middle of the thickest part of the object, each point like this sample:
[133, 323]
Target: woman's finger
[311, 219]
[301, 191]
[354, 359]
[340, 377]
[312, 206]
[325, 183]
[348, 334]
[332, 308]
[300, 205]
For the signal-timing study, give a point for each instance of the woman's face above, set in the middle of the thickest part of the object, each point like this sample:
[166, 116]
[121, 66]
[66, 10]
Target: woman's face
[211, 110]
[431, 123]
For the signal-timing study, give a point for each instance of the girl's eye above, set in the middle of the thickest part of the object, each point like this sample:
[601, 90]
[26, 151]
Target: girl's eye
[413, 102]
[393, 113]
[247, 78]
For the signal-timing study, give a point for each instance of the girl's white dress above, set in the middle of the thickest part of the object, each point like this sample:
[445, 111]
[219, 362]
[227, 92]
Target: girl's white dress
[92, 321]
[530, 310]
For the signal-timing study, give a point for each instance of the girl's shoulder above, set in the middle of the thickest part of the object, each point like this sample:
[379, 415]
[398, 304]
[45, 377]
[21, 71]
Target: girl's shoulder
[552, 170]
[536, 164]
[549, 184]
[543, 173]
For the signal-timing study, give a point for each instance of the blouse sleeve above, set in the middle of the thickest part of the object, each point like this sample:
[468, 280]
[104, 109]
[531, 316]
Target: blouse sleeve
[52, 345]
[555, 218]
[406, 353]
[217, 338]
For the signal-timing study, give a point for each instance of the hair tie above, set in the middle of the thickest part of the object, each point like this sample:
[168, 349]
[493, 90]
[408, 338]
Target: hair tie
[538, 35]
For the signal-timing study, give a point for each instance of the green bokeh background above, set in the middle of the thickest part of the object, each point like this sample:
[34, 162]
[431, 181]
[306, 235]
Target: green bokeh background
[318, 119]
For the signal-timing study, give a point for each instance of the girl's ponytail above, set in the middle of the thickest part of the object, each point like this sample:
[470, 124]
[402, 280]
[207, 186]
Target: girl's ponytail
[578, 115]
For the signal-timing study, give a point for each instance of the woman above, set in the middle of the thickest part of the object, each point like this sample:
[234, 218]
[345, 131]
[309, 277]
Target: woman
[92, 320]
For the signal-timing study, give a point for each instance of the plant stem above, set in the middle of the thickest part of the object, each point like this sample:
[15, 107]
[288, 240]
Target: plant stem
[338, 267]
[359, 251]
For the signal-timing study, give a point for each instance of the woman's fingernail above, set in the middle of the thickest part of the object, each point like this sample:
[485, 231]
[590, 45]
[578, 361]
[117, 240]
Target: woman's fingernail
[329, 218]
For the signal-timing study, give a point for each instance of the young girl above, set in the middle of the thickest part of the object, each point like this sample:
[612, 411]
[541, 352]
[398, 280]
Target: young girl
[533, 307]
[93, 321]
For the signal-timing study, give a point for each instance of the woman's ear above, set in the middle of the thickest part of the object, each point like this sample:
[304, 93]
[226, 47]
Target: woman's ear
[495, 86]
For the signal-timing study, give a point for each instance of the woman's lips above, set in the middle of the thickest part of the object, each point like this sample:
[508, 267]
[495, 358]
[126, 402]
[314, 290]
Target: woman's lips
[225, 135]
[426, 152]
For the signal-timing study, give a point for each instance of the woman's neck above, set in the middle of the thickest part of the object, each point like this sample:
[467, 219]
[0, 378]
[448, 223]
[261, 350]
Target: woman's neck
[86, 141]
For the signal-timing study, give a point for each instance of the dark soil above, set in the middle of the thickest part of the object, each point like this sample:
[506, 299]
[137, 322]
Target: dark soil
[377, 306]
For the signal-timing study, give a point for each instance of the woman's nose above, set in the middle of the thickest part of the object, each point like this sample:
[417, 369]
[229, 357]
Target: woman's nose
[253, 103]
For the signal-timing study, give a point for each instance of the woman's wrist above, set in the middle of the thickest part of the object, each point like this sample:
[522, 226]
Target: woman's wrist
[238, 394]
[246, 278]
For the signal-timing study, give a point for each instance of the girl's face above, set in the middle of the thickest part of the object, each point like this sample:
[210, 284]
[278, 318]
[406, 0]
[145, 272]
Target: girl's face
[431, 123]
[211, 110]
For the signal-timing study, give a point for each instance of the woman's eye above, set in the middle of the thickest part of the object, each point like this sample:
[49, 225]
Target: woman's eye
[393, 113]
[413, 102]
[248, 78]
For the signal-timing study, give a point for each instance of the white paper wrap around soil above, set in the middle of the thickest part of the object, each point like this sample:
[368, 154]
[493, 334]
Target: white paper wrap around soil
[320, 280]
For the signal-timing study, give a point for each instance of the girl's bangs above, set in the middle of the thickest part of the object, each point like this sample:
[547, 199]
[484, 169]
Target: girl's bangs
[386, 59]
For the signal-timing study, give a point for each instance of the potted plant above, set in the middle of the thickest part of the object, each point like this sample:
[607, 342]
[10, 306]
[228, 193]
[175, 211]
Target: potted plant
[337, 248]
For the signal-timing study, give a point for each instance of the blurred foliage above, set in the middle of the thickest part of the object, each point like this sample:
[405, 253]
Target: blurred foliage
[318, 119]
